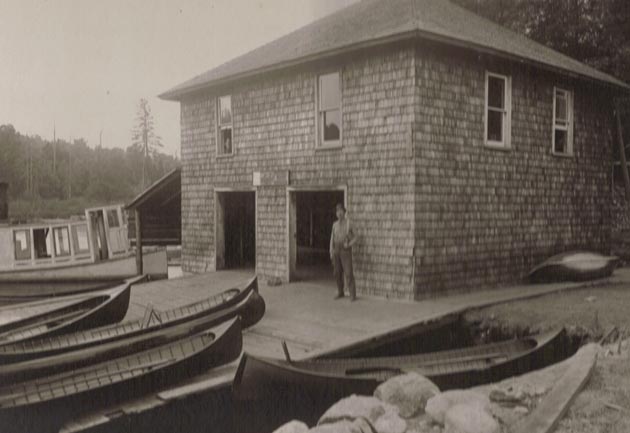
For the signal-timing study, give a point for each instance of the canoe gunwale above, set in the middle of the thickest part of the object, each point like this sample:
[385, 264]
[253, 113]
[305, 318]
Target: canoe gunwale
[247, 303]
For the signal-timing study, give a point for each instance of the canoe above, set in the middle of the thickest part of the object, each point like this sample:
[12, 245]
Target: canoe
[98, 309]
[574, 266]
[244, 302]
[44, 404]
[318, 383]
[250, 309]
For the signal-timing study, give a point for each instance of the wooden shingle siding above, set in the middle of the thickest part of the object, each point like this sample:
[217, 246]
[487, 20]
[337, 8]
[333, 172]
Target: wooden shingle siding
[274, 131]
[486, 216]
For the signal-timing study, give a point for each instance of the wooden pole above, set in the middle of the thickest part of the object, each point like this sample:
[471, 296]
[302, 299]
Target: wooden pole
[622, 155]
[138, 221]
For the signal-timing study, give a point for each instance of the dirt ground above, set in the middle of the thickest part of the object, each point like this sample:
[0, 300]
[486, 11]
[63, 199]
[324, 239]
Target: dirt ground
[588, 314]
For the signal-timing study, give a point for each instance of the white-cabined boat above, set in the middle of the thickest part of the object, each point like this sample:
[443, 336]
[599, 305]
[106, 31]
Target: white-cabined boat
[66, 256]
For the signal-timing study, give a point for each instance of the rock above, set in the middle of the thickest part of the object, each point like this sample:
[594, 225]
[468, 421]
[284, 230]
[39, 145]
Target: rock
[390, 422]
[357, 426]
[292, 427]
[438, 405]
[467, 418]
[521, 409]
[408, 392]
[382, 416]
[421, 424]
[590, 298]
[510, 396]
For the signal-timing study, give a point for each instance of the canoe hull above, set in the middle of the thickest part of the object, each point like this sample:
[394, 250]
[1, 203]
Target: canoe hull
[246, 304]
[50, 415]
[300, 393]
[92, 311]
[574, 266]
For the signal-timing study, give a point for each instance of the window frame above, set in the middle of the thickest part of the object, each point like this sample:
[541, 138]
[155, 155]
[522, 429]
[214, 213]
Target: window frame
[220, 127]
[29, 245]
[570, 122]
[506, 124]
[74, 233]
[319, 133]
[56, 245]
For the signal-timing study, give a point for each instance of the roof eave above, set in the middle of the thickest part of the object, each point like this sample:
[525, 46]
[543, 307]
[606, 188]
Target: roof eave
[177, 93]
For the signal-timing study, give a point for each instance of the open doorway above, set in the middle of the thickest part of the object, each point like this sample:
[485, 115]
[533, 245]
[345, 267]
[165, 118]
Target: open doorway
[311, 216]
[235, 229]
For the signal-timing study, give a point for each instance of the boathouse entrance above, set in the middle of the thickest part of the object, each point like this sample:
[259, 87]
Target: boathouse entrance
[235, 229]
[311, 214]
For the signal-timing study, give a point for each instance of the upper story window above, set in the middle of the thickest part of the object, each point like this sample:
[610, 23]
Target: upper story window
[562, 122]
[224, 122]
[329, 109]
[498, 110]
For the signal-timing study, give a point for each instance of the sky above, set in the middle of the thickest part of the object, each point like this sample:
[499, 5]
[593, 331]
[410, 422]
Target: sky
[79, 67]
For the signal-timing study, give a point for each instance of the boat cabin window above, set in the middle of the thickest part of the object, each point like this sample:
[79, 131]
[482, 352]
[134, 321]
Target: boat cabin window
[42, 241]
[80, 239]
[112, 218]
[22, 242]
[62, 241]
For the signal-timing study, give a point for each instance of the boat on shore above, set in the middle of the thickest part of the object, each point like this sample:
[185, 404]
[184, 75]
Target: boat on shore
[244, 302]
[574, 266]
[322, 382]
[79, 313]
[70, 256]
[43, 404]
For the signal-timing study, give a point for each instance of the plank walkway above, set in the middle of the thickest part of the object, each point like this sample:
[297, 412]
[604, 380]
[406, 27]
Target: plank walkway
[304, 315]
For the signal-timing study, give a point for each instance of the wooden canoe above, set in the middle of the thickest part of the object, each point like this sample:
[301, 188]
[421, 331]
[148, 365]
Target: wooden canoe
[244, 302]
[43, 404]
[251, 309]
[574, 266]
[98, 309]
[322, 382]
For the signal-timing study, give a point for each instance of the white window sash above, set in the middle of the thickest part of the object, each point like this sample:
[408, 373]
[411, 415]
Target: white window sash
[563, 124]
[505, 111]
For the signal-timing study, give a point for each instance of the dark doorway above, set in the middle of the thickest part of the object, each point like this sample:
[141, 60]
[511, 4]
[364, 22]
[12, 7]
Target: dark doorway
[236, 230]
[314, 217]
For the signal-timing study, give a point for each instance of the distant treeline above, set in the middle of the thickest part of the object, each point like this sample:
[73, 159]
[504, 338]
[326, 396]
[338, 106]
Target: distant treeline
[39, 170]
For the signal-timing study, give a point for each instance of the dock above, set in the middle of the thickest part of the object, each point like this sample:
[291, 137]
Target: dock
[302, 314]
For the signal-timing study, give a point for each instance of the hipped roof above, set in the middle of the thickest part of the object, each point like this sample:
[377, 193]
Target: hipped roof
[374, 22]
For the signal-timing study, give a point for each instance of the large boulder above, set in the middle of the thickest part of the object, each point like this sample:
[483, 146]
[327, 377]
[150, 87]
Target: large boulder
[383, 417]
[438, 405]
[408, 392]
[467, 418]
[292, 427]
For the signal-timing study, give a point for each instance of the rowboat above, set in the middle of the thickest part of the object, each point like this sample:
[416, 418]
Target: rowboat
[43, 404]
[321, 382]
[69, 256]
[574, 266]
[244, 302]
[78, 313]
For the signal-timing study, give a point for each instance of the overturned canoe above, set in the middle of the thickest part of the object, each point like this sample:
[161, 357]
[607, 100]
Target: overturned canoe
[319, 383]
[44, 404]
[574, 266]
[244, 302]
[78, 313]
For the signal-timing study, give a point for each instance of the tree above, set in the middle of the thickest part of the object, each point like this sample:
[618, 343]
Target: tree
[144, 137]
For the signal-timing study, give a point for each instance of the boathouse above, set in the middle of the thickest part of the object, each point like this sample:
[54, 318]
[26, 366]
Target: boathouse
[465, 153]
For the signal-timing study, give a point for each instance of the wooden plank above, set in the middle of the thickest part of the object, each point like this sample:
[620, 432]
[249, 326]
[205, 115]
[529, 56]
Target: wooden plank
[554, 405]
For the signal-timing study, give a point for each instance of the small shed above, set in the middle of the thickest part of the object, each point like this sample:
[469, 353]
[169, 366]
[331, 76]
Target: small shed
[156, 214]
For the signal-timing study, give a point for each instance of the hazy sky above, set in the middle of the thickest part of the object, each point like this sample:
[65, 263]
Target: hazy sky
[82, 65]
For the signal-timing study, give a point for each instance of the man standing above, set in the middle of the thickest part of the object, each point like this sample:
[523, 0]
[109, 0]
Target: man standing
[341, 240]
